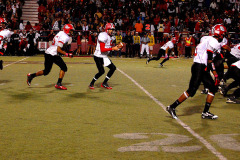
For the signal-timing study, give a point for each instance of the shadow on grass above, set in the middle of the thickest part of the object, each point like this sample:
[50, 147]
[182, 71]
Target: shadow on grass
[5, 81]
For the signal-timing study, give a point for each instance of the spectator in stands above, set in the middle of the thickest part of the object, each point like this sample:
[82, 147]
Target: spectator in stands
[98, 14]
[50, 37]
[28, 27]
[118, 39]
[55, 26]
[41, 8]
[21, 27]
[91, 40]
[85, 26]
[138, 27]
[37, 27]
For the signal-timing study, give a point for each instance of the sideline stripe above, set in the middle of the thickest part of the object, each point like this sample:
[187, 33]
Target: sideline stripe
[201, 139]
[15, 62]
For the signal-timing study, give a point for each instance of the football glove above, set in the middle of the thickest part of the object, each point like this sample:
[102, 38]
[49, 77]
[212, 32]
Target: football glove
[217, 81]
[69, 55]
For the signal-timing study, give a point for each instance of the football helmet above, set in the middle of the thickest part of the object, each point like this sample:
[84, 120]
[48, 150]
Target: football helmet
[67, 28]
[174, 40]
[219, 31]
[109, 26]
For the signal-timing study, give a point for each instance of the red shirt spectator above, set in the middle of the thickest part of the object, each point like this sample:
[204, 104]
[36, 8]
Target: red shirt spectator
[139, 27]
[163, 6]
[28, 26]
[37, 27]
[156, 20]
[167, 26]
[197, 27]
[41, 8]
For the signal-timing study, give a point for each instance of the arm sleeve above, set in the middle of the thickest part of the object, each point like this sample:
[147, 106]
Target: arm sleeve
[210, 54]
[103, 49]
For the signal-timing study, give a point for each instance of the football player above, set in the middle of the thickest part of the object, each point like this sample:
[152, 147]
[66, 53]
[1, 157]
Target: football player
[52, 56]
[104, 46]
[4, 35]
[166, 49]
[234, 72]
[232, 57]
[203, 63]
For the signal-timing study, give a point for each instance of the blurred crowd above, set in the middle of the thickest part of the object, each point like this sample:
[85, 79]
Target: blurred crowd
[159, 18]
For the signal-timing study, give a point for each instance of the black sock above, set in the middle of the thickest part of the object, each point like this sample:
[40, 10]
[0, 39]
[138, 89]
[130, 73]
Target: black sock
[93, 81]
[207, 106]
[106, 79]
[59, 81]
[175, 104]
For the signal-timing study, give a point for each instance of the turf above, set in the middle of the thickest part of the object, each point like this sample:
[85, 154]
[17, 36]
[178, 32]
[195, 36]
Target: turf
[40, 122]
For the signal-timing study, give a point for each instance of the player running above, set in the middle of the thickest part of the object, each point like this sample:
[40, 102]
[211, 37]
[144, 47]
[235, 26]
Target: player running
[166, 49]
[203, 63]
[104, 46]
[52, 56]
[4, 35]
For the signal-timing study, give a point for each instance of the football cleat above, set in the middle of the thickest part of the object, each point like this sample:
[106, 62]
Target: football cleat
[91, 86]
[233, 100]
[105, 85]
[223, 91]
[209, 115]
[1, 64]
[172, 112]
[204, 91]
[160, 65]
[29, 79]
[59, 86]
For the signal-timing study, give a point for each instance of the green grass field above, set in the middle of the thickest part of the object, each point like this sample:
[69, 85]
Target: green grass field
[41, 122]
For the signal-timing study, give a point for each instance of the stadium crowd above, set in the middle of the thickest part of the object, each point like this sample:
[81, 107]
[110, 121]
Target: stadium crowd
[160, 18]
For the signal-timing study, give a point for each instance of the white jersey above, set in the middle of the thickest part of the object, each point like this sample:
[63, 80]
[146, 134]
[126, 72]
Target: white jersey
[207, 43]
[168, 44]
[235, 51]
[4, 36]
[23, 36]
[59, 40]
[224, 42]
[105, 38]
[237, 64]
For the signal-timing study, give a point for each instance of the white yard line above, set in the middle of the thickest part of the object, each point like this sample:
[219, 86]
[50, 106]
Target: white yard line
[15, 62]
[201, 139]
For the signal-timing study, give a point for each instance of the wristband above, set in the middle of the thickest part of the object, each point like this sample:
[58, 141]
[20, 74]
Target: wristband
[213, 66]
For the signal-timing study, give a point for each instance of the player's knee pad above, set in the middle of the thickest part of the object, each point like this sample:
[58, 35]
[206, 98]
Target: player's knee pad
[192, 91]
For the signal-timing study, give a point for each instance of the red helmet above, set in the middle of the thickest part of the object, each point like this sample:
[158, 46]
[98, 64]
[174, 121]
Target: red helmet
[109, 26]
[174, 40]
[219, 30]
[2, 20]
[67, 28]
